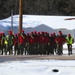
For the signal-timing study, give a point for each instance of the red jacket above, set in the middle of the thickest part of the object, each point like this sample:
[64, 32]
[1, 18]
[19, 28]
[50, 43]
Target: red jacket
[21, 39]
[46, 40]
[31, 41]
[16, 41]
[42, 40]
[60, 40]
[36, 39]
[27, 39]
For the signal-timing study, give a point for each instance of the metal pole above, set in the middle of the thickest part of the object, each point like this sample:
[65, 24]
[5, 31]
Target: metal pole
[20, 15]
[12, 20]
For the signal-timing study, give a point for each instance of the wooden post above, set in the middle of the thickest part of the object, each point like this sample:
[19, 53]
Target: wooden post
[20, 15]
[12, 20]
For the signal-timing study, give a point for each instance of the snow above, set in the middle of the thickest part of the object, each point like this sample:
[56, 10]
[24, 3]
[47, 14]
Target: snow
[34, 20]
[39, 67]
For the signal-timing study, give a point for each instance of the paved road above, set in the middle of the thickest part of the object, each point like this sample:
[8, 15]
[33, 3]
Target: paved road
[5, 58]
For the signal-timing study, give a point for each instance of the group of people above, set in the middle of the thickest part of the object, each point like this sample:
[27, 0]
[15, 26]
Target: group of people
[34, 43]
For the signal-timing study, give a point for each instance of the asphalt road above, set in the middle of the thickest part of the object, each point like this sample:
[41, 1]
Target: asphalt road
[5, 58]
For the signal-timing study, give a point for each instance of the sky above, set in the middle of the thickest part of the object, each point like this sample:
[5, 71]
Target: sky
[39, 67]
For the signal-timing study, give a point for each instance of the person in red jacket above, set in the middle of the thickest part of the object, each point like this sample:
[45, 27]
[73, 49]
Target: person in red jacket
[39, 34]
[55, 45]
[2, 43]
[27, 43]
[42, 43]
[60, 40]
[21, 41]
[31, 41]
[24, 46]
[36, 41]
[47, 43]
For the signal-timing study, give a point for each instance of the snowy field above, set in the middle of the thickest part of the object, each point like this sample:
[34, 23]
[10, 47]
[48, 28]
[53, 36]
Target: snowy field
[38, 67]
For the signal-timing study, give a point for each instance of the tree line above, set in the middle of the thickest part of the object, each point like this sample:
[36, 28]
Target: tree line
[38, 7]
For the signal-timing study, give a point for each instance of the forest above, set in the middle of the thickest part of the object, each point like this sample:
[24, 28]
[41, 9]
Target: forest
[38, 7]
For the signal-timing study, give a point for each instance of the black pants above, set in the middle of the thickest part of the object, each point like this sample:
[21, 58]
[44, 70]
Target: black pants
[59, 49]
[20, 49]
[3, 48]
[69, 49]
[9, 48]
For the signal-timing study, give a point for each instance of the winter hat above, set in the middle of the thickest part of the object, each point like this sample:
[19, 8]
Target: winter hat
[22, 31]
[60, 32]
[10, 32]
[69, 35]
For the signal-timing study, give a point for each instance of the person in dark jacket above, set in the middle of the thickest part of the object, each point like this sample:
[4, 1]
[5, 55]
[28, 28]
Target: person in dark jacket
[52, 42]
[55, 45]
[3, 44]
[15, 44]
[47, 43]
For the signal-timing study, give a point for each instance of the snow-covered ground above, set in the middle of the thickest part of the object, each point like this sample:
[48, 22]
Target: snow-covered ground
[38, 67]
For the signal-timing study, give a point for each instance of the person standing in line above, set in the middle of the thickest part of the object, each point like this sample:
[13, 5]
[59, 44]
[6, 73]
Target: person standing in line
[55, 45]
[21, 43]
[3, 44]
[15, 44]
[24, 45]
[28, 43]
[31, 41]
[60, 40]
[9, 41]
[0, 43]
[39, 44]
[69, 41]
[51, 44]
[47, 43]
[42, 43]
[36, 40]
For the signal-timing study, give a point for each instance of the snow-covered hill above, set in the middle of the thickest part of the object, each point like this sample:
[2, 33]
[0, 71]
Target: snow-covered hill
[35, 20]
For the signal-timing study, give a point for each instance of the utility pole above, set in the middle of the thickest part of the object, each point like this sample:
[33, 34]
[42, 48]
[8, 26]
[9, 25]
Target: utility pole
[20, 15]
[12, 20]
